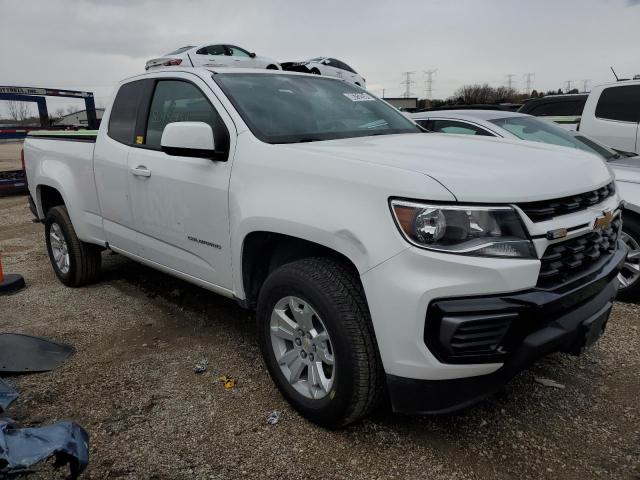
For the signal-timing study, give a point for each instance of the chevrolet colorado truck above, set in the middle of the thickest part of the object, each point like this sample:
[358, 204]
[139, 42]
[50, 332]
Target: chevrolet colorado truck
[382, 262]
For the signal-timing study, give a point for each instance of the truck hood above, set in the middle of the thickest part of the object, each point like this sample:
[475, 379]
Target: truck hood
[477, 169]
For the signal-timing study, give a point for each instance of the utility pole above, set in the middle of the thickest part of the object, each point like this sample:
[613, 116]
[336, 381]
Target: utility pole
[585, 85]
[569, 85]
[510, 80]
[407, 82]
[429, 83]
[529, 81]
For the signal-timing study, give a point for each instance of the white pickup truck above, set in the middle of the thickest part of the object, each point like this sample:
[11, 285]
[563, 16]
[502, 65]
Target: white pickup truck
[380, 260]
[612, 115]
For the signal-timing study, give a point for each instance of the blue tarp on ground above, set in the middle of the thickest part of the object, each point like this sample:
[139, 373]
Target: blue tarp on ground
[21, 448]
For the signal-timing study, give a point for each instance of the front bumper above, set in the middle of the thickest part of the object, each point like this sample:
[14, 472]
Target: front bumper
[567, 319]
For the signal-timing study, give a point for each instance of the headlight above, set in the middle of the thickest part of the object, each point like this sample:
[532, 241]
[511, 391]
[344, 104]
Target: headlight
[483, 231]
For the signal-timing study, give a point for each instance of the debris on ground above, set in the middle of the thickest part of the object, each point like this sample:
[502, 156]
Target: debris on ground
[201, 366]
[7, 395]
[549, 383]
[228, 381]
[26, 354]
[22, 448]
[273, 418]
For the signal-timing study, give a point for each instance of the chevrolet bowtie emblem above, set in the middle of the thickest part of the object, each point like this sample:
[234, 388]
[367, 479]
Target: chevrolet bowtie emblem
[603, 222]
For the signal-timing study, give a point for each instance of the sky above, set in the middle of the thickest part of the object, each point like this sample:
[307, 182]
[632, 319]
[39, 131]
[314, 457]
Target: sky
[93, 44]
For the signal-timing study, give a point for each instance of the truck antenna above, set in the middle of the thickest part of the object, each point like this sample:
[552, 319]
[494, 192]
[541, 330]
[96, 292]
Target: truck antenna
[614, 74]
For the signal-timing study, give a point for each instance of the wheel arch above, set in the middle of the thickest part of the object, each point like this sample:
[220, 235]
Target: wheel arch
[264, 251]
[47, 197]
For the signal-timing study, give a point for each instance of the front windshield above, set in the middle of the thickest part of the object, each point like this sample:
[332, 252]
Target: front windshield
[529, 128]
[280, 108]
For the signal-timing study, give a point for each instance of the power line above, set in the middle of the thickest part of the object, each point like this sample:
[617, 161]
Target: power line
[429, 83]
[407, 82]
[510, 80]
[529, 81]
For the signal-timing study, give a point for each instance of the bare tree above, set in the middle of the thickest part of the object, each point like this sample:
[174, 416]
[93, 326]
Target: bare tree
[19, 111]
[484, 94]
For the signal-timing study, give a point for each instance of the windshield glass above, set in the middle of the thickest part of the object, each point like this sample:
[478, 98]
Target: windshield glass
[529, 128]
[282, 108]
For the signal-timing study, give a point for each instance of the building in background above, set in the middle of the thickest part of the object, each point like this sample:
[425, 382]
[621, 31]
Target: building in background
[78, 119]
[403, 103]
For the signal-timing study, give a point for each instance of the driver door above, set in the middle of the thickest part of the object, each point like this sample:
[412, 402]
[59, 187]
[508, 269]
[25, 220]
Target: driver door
[180, 204]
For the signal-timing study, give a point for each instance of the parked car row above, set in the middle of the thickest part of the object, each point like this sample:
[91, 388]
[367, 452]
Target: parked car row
[382, 262]
[610, 113]
[225, 55]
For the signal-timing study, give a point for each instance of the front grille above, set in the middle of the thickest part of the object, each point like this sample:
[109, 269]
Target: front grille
[547, 209]
[562, 261]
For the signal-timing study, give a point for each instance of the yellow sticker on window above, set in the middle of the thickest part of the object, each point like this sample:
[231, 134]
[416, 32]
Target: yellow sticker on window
[139, 139]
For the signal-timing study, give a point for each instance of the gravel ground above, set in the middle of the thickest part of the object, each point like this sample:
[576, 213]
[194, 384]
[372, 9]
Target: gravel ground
[10, 155]
[139, 333]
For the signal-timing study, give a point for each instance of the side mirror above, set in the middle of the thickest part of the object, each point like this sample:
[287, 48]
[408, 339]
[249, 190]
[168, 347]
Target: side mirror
[252, 55]
[188, 139]
[326, 62]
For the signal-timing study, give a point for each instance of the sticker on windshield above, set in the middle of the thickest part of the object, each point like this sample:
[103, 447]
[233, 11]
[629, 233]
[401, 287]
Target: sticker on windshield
[359, 97]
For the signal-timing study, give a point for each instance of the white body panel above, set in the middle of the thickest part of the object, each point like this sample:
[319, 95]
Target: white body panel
[626, 170]
[330, 67]
[333, 193]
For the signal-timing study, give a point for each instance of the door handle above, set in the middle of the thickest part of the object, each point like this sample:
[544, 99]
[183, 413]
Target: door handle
[141, 171]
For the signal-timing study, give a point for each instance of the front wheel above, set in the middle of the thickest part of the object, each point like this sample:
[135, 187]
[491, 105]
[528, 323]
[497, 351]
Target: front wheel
[629, 276]
[318, 343]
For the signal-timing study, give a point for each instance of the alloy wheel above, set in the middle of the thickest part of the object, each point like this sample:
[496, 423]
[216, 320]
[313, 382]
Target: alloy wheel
[302, 347]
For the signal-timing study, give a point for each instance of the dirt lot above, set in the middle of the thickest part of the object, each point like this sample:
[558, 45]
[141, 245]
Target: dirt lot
[10, 155]
[138, 334]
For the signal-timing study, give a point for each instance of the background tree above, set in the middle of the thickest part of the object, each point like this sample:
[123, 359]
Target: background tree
[19, 111]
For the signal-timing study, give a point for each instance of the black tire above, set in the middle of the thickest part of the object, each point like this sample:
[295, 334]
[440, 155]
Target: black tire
[315, 71]
[631, 227]
[337, 296]
[85, 260]
[272, 67]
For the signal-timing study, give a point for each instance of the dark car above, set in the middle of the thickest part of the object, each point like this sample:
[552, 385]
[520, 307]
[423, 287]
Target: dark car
[555, 105]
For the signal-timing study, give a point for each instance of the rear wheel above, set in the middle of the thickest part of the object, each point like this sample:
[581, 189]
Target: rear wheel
[272, 67]
[629, 276]
[315, 71]
[75, 263]
[318, 342]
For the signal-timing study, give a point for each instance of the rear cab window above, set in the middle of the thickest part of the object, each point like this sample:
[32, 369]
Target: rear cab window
[620, 103]
[124, 113]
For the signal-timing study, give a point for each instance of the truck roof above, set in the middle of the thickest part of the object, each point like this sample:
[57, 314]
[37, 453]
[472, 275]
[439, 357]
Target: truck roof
[206, 71]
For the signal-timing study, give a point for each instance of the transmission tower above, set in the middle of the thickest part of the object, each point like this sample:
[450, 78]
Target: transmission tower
[569, 85]
[407, 82]
[585, 85]
[510, 80]
[529, 81]
[429, 83]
